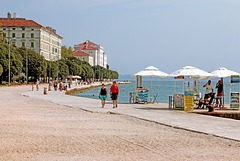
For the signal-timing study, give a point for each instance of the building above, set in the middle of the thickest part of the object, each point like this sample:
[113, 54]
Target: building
[30, 34]
[84, 56]
[97, 51]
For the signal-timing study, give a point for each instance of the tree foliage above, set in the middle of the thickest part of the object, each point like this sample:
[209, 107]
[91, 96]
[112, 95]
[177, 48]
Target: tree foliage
[1, 69]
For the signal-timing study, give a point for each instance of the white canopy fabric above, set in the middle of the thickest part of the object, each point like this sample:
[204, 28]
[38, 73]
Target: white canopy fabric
[223, 72]
[151, 71]
[190, 71]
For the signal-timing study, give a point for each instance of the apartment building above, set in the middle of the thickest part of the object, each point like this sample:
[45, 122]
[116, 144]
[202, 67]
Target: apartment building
[97, 51]
[30, 34]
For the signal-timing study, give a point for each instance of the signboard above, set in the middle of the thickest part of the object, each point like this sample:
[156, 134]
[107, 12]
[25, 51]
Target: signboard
[234, 100]
[188, 100]
[142, 95]
[188, 93]
[178, 101]
[235, 79]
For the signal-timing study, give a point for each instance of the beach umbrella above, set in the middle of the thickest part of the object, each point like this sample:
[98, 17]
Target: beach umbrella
[223, 73]
[193, 72]
[151, 71]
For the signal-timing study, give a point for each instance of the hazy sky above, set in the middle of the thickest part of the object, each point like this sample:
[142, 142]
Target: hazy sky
[168, 34]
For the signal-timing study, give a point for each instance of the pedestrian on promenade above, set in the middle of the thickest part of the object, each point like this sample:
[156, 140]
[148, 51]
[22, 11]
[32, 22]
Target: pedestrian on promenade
[208, 91]
[219, 87]
[114, 93]
[103, 95]
[37, 85]
[55, 85]
[60, 86]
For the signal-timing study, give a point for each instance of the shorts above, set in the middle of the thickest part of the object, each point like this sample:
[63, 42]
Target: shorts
[114, 96]
[220, 94]
[103, 97]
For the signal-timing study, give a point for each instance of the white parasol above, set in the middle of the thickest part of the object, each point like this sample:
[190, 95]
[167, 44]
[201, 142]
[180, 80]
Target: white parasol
[151, 71]
[223, 73]
[190, 71]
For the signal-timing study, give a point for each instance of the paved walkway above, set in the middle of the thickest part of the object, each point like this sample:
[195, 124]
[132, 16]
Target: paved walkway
[159, 113]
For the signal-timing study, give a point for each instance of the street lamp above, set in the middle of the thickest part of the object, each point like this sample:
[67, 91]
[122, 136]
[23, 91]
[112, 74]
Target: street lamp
[26, 65]
[9, 60]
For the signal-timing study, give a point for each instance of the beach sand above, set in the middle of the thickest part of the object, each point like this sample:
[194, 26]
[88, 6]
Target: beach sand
[34, 129]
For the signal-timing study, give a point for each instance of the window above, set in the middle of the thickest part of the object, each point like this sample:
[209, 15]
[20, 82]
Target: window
[4, 29]
[32, 44]
[32, 35]
[23, 35]
[32, 29]
[56, 50]
[83, 59]
[13, 28]
[52, 49]
[13, 35]
[23, 44]
[23, 28]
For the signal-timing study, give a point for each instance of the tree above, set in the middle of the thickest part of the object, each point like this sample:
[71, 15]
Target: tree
[2, 35]
[1, 69]
[63, 69]
[15, 61]
[66, 52]
[37, 65]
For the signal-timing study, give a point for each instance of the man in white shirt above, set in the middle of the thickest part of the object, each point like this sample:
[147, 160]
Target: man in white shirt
[209, 90]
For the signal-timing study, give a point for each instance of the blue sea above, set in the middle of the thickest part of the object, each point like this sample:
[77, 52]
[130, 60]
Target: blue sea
[162, 88]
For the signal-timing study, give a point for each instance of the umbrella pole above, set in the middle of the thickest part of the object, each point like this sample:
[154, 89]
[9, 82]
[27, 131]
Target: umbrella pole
[223, 95]
[151, 91]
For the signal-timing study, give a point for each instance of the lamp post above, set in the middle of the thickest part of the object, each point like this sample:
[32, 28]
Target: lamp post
[57, 66]
[26, 65]
[9, 63]
[50, 68]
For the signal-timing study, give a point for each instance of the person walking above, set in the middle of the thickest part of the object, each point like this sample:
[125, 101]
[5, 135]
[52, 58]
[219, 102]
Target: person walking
[219, 87]
[208, 91]
[114, 93]
[37, 85]
[103, 95]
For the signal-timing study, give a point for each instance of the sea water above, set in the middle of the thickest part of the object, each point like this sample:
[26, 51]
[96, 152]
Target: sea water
[163, 89]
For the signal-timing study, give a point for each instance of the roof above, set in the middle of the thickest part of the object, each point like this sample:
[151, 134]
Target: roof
[88, 45]
[21, 22]
[18, 22]
[79, 53]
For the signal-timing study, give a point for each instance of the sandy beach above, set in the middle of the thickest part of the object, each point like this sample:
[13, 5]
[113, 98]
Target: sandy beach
[36, 129]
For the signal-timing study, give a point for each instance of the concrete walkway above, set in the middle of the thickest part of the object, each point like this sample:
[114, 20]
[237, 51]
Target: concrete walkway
[159, 113]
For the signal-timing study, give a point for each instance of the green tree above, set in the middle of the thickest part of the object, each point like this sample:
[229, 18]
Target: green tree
[66, 52]
[37, 65]
[2, 35]
[15, 61]
[1, 69]
[63, 69]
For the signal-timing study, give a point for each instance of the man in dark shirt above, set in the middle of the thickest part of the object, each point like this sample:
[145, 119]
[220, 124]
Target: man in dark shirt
[219, 87]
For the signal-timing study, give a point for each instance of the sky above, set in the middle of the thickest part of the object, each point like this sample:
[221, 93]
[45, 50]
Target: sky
[135, 34]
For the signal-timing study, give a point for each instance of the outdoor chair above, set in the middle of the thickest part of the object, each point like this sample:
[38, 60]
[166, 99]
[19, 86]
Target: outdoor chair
[155, 98]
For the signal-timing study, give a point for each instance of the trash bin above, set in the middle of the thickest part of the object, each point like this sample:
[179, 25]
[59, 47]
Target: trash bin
[170, 104]
[45, 90]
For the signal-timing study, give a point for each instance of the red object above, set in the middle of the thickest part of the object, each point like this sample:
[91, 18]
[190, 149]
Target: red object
[114, 89]
[80, 53]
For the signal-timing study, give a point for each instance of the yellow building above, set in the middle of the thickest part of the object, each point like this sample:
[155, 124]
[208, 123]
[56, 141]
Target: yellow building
[84, 56]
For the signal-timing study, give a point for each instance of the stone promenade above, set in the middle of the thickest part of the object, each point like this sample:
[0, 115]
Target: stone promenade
[159, 113]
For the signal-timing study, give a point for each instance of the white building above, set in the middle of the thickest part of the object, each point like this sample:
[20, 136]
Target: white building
[30, 34]
[97, 51]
